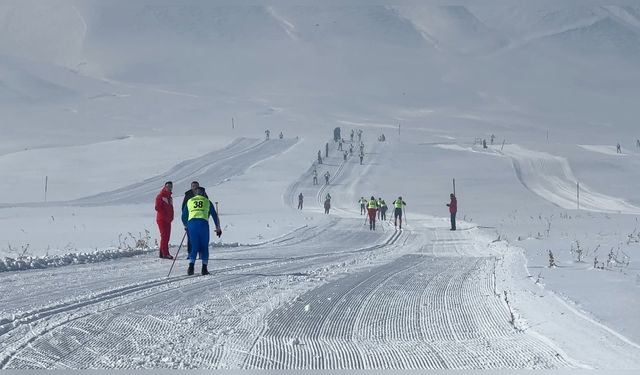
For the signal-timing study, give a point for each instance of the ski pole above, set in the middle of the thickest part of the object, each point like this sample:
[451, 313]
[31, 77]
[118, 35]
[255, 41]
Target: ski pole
[404, 213]
[178, 252]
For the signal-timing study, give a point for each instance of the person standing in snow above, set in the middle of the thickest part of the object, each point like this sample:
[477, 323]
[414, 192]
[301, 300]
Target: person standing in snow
[195, 217]
[326, 150]
[398, 205]
[267, 133]
[372, 209]
[618, 149]
[315, 176]
[164, 217]
[281, 135]
[361, 156]
[363, 205]
[340, 144]
[383, 209]
[453, 209]
[327, 205]
[300, 199]
[326, 177]
[195, 185]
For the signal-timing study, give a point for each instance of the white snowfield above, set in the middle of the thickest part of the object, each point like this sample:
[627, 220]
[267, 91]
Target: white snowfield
[101, 102]
[551, 178]
[330, 295]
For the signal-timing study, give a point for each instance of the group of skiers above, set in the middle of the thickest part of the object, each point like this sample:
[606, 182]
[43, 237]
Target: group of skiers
[196, 210]
[326, 176]
[267, 134]
[327, 202]
[378, 208]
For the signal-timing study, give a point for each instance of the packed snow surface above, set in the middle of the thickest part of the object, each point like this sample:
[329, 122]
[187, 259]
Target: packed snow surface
[102, 102]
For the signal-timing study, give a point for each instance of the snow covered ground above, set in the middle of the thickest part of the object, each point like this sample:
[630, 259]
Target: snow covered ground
[107, 100]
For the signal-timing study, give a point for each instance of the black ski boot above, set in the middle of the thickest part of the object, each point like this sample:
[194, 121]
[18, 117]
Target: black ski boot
[205, 271]
[190, 270]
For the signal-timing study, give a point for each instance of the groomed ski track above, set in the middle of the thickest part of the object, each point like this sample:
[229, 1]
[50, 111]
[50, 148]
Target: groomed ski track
[333, 295]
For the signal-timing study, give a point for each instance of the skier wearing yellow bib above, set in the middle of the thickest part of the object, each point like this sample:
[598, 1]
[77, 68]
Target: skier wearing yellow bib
[195, 217]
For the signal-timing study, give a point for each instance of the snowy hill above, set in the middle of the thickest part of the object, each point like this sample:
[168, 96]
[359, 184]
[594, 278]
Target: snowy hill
[102, 102]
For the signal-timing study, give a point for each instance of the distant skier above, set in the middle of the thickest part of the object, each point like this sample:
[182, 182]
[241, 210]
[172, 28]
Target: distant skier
[484, 143]
[492, 138]
[363, 205]
[361, 157]
[372, 208]
[618, 149]
[326, 150]
[326, 177]
[315, 176]
[195, 217]
[351, 135]
[340, 145]
[281, 135]
[383, 209]
[164, 217]
[359, 135]
[327, 205]
[351, 149]
[379, 208]
[344, 156]
[638, 143]
[267, 133]
[453, 209]
[319, 157]
[300, 199]
[398, 205]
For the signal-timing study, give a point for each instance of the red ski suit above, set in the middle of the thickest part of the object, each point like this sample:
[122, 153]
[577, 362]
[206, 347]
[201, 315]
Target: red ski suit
[453, 205]
[164, 217]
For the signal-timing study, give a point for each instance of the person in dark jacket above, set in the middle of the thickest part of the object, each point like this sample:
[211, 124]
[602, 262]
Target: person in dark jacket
[195, 217]
[300, 200]
[453, 209]
[164, 217]
[188, 195]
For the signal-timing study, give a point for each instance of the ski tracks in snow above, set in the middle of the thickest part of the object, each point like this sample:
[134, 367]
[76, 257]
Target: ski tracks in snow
[210, 170]
[551, 178]
[418, 311]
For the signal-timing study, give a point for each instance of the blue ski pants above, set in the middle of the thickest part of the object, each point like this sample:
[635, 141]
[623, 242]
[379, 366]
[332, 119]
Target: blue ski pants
[199, 237]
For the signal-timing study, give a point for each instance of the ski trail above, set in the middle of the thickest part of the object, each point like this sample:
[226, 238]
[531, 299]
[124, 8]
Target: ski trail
[551, 178]
[210, 170]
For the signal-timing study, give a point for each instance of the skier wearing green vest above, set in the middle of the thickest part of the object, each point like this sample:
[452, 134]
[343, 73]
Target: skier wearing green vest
[398, 205]
[195, 217]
